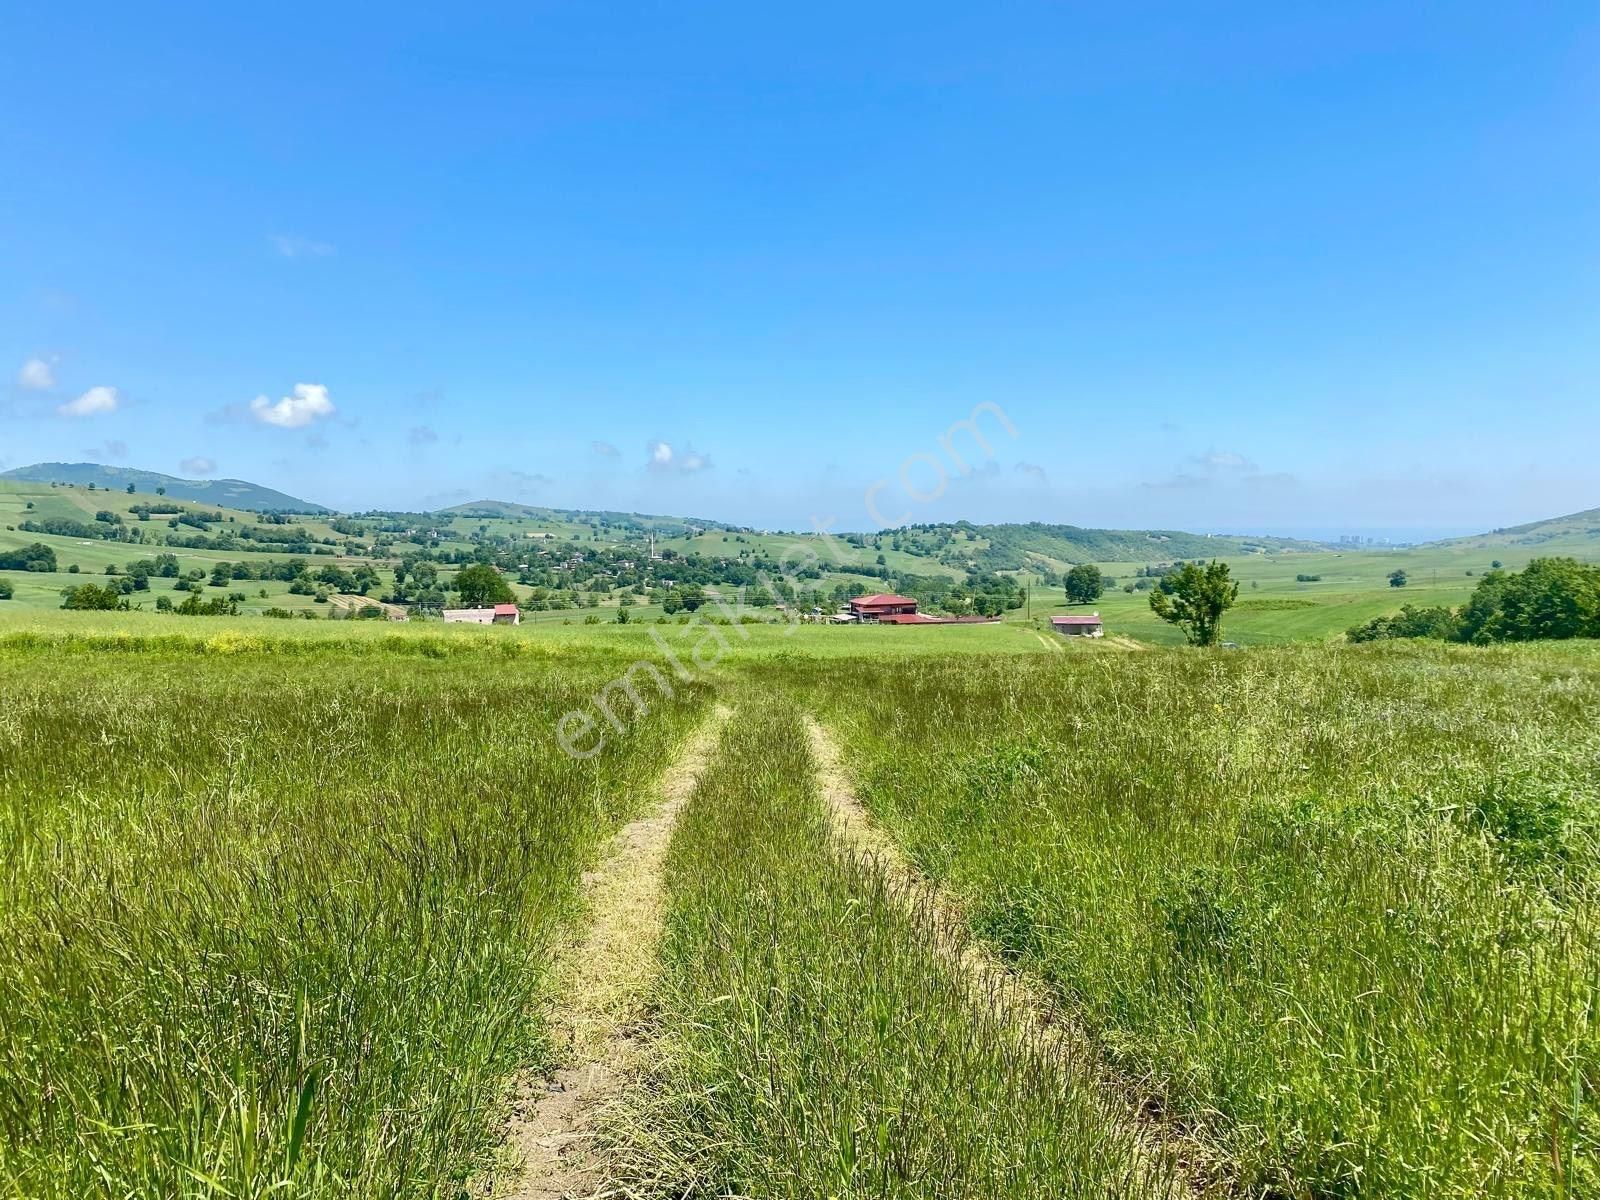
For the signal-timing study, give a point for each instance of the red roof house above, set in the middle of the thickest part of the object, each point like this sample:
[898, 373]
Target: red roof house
[507, 614]
[884, 604]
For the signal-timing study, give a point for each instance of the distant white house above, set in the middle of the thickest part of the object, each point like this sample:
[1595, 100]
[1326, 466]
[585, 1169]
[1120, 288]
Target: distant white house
[500, 614]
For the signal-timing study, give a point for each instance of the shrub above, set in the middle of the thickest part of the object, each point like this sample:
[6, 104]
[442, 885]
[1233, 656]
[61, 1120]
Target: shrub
[1409, 622]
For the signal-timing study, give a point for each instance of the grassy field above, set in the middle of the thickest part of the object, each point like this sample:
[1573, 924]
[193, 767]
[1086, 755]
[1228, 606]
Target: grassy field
[815, 1043]
[549, 638]
[282, 933]
[279, 900]
[1336, 909]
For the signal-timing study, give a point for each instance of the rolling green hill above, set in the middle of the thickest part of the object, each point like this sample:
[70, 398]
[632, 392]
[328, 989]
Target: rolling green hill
[1018, 547]
[627, 522]
[1570, 534]
[227, 493]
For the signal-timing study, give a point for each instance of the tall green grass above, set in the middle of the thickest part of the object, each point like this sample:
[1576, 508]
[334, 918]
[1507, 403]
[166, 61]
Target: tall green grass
[277, 927]
[1336, 909]
[815, 1041]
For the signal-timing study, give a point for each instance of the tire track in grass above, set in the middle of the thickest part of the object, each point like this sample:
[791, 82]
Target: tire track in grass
[1023, 1000]
[601, 990]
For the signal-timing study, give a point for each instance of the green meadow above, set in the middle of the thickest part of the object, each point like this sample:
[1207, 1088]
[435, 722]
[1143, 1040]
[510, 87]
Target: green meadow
[282, 899]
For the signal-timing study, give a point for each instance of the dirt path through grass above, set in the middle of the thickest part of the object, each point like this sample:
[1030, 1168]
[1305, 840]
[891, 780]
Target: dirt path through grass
[601, 988]
[1022, 999]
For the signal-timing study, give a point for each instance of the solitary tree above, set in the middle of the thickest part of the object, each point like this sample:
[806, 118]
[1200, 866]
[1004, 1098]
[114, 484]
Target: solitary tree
[1085, 584]
[1194, 598]
[1397, 579]
[480, 585]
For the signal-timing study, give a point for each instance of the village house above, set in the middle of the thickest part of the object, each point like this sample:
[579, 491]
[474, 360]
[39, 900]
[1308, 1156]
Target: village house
[883, 604]
[1077, 625]
[887, 608]
[500, 614]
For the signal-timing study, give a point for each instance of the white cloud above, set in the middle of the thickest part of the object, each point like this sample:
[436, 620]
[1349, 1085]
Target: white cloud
[1224, 460]
[198, 466]
[309, 403]
[1034, 472]
[37, 375]
[605, 449]
[95, 400]
[292, 245]
[664, 458]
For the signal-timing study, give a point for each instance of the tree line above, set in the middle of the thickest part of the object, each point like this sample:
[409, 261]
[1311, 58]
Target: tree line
[1552, 598]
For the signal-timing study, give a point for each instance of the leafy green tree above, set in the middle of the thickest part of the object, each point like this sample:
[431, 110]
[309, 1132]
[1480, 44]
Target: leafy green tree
[481, 585]
[1084, 584]
[1194, 597]
[35, 557]
[1551, 598]
[6, 589]
[91, 596]
[1397, 579]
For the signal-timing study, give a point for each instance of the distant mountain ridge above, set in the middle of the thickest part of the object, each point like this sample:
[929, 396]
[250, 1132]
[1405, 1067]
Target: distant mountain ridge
[227, 493]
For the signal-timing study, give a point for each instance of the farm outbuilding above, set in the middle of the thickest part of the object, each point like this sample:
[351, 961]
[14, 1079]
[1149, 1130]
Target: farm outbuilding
[1079, 625]
[500, 614]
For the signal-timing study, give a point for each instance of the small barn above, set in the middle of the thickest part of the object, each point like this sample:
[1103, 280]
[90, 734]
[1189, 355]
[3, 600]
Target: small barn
[1076, 625]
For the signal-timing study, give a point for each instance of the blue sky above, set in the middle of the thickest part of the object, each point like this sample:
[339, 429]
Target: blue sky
[1272, 267]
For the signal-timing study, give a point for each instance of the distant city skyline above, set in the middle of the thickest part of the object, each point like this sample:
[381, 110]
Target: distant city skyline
[1291, 271]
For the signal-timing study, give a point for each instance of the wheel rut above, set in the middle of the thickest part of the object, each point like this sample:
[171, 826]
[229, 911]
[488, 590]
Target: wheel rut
[1023, 1000]
[601, 997]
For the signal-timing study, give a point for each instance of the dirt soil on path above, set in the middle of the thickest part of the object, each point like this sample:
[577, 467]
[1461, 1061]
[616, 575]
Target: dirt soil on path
[601, 994]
